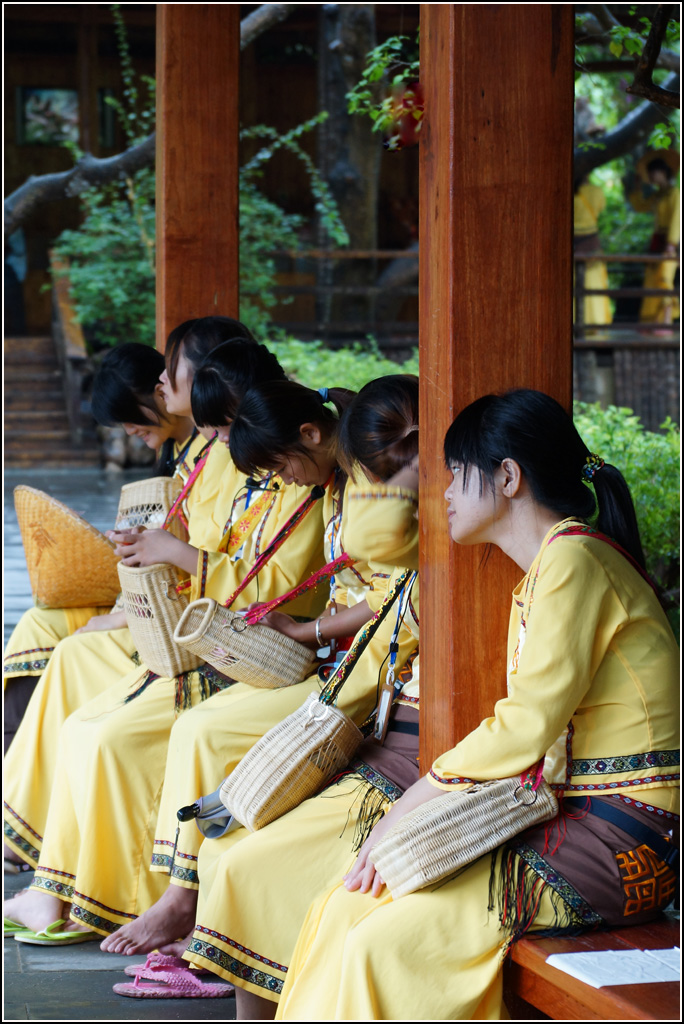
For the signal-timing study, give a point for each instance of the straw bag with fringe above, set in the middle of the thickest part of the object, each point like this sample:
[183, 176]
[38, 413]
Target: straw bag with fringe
[295, 758]
[239, 647]
[70, 563]
[155, 600]
[451, 831]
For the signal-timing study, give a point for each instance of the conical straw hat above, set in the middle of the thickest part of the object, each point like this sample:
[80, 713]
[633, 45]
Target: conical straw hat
[70, 563]
[669, 156]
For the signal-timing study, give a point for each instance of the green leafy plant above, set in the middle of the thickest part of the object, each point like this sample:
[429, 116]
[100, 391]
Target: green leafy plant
[394, 65]
[311, 363]
[650, 463]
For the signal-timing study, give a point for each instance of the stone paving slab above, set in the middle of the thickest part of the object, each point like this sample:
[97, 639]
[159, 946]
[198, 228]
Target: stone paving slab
[75, 983]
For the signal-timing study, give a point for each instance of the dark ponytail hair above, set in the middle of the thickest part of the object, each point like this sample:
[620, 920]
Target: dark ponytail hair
[266, 426]
[534, 430]
[224, 377]
[379, 428]
[124, 385]
[196, 338]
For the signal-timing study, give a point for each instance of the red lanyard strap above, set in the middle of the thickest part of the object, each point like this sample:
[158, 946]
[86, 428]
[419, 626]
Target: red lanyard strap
[280, 538]
[175, 509]
[331, 569]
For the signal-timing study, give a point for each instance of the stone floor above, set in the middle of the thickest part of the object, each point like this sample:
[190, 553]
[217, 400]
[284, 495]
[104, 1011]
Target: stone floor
[74, 982]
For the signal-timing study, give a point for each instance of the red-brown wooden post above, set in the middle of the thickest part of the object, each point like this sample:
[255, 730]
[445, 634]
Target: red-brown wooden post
[495, 302]
[198, 56]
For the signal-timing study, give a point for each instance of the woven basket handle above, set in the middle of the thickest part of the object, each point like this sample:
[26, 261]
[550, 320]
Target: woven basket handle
[179, 636]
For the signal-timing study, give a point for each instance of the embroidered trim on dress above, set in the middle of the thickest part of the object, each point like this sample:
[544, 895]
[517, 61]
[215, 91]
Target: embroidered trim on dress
[21, 820]
[645, 807]
[13, 836]
[370, 775]
[455, 781]
[601, 786]
[558, 883]
[619, 763]
[202, 947]
[27, 667]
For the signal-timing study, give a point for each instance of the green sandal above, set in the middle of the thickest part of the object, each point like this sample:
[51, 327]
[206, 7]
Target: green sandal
[53, 935]
[10, 928]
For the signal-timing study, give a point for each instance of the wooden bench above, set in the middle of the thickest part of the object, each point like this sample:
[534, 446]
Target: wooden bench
[535, 991]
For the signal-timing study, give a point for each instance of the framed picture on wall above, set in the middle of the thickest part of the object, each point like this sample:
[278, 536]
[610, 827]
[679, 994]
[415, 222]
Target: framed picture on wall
[46, 117]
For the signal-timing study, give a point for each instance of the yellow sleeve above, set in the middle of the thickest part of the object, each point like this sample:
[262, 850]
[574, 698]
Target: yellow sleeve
[672, 217]
[382, 524]
[219, 574]
[571, 622]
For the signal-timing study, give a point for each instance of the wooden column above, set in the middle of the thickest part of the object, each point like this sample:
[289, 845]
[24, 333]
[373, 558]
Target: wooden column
[495, 303]
[198, 53]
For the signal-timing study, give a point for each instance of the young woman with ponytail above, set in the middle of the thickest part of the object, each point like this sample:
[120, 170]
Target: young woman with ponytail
[284, 428]
[592, 689]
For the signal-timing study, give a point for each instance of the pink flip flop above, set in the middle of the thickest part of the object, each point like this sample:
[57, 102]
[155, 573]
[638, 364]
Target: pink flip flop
[173, 983]
[156, 962]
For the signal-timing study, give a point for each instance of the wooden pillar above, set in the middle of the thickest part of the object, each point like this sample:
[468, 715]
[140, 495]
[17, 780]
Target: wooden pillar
[198, 52]
[495, 303]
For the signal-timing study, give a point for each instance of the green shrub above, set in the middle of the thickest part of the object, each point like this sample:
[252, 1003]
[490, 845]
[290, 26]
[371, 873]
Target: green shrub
[311, 363]
[650, 464]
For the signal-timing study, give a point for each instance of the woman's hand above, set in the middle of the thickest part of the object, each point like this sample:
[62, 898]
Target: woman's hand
[113, 620]
[286, 625]
[364, 876]
[154, 546]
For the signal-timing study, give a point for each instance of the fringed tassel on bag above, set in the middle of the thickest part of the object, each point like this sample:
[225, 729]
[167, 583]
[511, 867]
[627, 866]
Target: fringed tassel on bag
[374, 806]
[183, 697]
[148, 678]
[517, 890]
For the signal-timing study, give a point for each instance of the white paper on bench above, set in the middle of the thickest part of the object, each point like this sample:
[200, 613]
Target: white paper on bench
[620, 967]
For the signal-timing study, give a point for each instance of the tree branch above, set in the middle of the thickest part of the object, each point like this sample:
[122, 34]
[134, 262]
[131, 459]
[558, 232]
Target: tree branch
[90, 170]
[633, 128]
[263, 18]
[597, 30]
[643, 84]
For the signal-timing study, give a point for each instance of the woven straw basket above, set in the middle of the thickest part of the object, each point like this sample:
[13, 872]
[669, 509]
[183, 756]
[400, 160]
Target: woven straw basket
[70, 563]
[153, 608]
[290, 763]
[446, 833]
[147, 502]
[253, 654]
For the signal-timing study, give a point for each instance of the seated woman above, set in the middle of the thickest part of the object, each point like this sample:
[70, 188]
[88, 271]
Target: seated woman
[126, 391]
[592, 688]
[284, 428]
[110, 760]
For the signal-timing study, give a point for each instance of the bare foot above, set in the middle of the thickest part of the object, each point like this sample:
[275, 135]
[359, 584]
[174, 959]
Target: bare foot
[177, 948]
[169, 917]
[36, 910]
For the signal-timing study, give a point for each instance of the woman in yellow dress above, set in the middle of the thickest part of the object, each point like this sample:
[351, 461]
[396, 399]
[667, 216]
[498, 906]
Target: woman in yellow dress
[285, 428]
[87, 663]
[589, 202]
[658, 169]
[125, 392]
[110, 765]
[592, 689]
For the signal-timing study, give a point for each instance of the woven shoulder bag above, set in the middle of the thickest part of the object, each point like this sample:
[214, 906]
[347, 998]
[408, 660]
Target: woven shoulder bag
[240, 647]
[148, 503]
[450, 831]
[295, 758]
[155, 601]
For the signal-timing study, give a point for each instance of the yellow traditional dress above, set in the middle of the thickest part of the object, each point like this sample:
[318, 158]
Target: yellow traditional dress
[279, 868]
[665, 205]
[208, 743]
[80, 668]
[110, 768]
[589, 202]
[589, 648]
